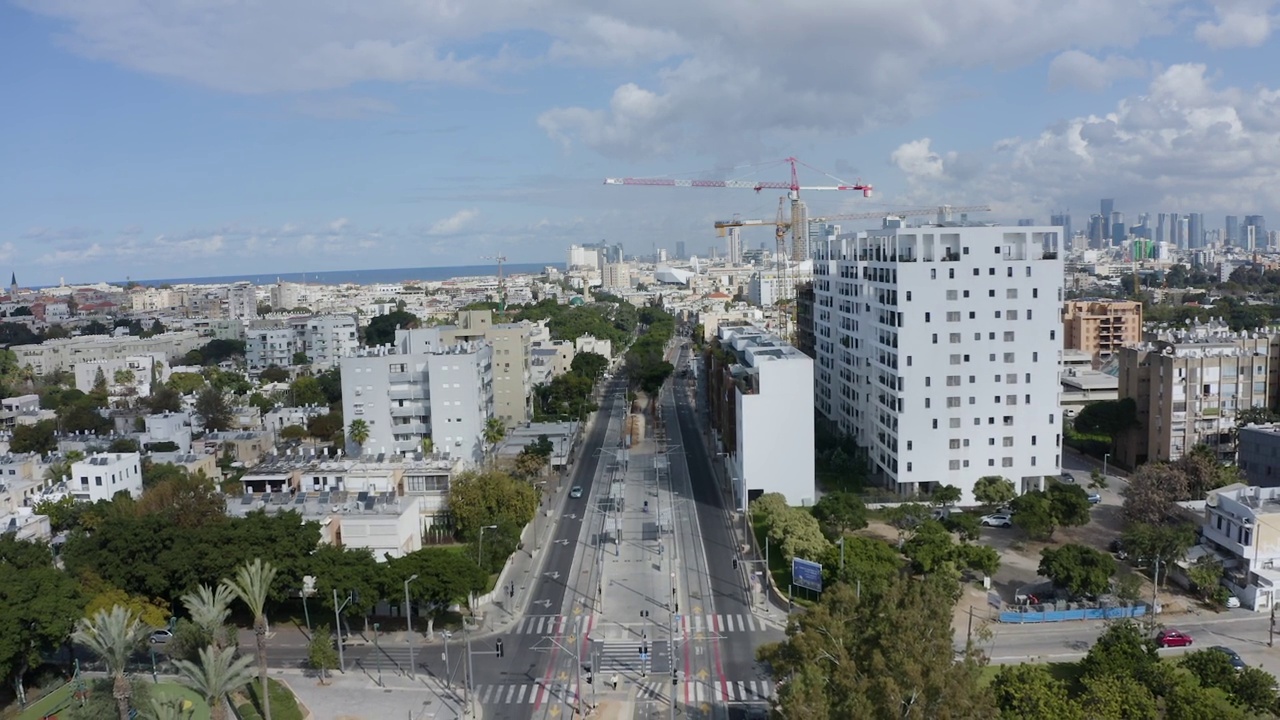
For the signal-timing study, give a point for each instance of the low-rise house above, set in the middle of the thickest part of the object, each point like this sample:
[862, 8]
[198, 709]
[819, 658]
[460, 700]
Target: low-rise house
[101, 476]
[1242, 525]
[24, 524]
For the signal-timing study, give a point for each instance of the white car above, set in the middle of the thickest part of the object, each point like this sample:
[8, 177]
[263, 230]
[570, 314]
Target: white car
[997, 520]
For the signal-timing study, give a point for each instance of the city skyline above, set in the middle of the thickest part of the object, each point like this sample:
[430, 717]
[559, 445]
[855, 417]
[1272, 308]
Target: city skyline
[194, 141]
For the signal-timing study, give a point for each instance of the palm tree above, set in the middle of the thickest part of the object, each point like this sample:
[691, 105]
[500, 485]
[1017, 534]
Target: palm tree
[218, 673]
[358, 431]
[251, 585]
[113, 635]
[209, 608]
[494, 431]
[167, 709]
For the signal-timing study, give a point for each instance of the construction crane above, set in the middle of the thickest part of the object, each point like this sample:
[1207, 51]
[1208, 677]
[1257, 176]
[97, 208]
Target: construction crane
[502, 290]
[799, 240]
[944, 212]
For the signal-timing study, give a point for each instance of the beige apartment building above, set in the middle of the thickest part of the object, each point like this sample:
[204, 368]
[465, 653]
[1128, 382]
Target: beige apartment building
[1100, 327]
[1189, 385]
[512, 371]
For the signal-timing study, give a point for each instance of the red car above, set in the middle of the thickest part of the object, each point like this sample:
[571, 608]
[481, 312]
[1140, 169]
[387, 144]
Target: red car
[1172, 638]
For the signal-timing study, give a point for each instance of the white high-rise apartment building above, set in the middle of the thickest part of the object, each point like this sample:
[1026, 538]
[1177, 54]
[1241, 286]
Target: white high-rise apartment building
[938, 348]
[242, 301]
[324, 339]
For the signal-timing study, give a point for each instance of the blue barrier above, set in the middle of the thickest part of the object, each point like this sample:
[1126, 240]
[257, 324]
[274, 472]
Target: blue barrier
[1042, 616]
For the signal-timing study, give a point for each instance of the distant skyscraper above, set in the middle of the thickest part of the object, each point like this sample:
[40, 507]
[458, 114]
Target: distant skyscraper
[1108, 206]
[1063, 220]
[1195, 231]
[1260, 228]
[1180, 231]
[680, 253]
[1233, 231]
[1096, 234]
[1162, 228]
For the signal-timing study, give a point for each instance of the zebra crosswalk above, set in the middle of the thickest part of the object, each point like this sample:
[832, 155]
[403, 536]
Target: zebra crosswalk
[707, 625]
[727, 692]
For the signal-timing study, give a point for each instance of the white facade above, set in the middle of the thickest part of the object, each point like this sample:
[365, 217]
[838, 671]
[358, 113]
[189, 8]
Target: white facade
[125, 377]
[64, 353]
[443, 391]
[591, 344]
[101, 476]
[169, 427]
[324, 339]
[938, 348]
[242, 301]
[329, 338]
[1242, 526]
[773, 451]
[581, 257]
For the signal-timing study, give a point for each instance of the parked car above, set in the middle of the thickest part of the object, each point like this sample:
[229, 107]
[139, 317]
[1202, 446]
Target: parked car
[1117, 547]
[575, 491]
[1236, 661]
[160, 637]
[1172, 638]
[1233, 601]
[1068, 478]
[997, 520]
[1095, 498]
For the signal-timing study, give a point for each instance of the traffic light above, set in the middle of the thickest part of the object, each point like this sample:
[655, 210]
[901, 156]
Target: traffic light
[588, 677]
[675, 678]
[501, 652]
[735, 563]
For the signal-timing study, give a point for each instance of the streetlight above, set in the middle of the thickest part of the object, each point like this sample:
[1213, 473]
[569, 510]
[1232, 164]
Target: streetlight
[1105, 458]
[377, 652]
[480, 545]
[408, 615]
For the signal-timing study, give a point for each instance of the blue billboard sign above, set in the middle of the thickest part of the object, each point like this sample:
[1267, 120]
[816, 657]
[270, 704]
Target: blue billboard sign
[806, 574]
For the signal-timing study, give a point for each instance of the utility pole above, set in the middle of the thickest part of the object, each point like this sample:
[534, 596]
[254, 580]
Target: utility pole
[337, 619]
[408, 616]
[1271, 631]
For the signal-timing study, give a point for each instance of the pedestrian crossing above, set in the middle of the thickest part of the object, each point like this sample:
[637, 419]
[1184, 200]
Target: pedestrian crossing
[624, 656]
[697, 692]
[689, 625]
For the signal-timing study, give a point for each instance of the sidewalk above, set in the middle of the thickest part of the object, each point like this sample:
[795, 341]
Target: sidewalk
[357, 696]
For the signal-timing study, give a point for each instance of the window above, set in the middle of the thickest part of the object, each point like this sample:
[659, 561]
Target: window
[1011, 293]
[955, 464]
[971, 380]
[1033, 439]
[966, 293]
[935, 424]
[955, 359]
[973, 400]
[997, 377]
[953, 294]
[1028, 313]
[991, 441]
[928, 403]
[1011, 400]
[975, 272]
[977, 336]
[1006, 462]
[953, 380]
[1035, 292]
[966, 358]
[933, 274]
[955, 443]
[1053, 334]
[991, 462]
[997, 314]
[908, 296]
[1008, 357]
[1028, 271]
[1028, 378]
[1027, 399]
[996, 400]
[926, 317]
[955, 423]
[972, 315]
[953, 316]
[991, 271]
[1012, 315]
[997, 249]
[955, 338]
[991, 293]
[908, 444]
[951, 273]
[1007, 441]
[928, 381]
[935, 338]
[1008, 336]
[1008, 420]
[1035, 357]
[965, 250]
[953, 402]
[908, 467]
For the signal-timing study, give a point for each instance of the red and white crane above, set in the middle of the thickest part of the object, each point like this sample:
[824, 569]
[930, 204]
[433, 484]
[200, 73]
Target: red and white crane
[799, 233]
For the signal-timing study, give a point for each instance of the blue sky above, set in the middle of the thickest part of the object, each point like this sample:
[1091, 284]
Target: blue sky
[206, 137]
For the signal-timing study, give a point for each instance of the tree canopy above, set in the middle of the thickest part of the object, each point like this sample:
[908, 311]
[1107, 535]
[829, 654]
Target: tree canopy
[382, 329]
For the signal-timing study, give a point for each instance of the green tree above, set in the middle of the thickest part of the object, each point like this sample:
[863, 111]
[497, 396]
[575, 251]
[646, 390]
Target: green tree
[61, 513]
[490, 498]
[840, 513]
[1255, 689]
[1107, 417]
[1069, 504]
[38, 438]
[528, 465]
[1166, 543]
[300, 358]
[161, 400]
[945, 495]
[113, 635]
[382, 329]
[982, 558]
[358, 431]
[1117, 697]
[124, 445]
[798, 535]
[252, 585]
[1206, 573]
[217, 673]
[1033, 512]
[588, 364]
[444, 576]
[306, 391]
[907, 517]
[965, 525]
[185, 383]
[210, 608]
[350, 571]
[273, 374]
[41, 604]
[1211, 667]
[1078, 569]
[930, 549]
[1151, 492]
[325, 428]
[494, 432]
[870, 564]
[1030, 691]
[322, 655]
[212, 406]
[1122, 651]
[219, 350]
[293, 432]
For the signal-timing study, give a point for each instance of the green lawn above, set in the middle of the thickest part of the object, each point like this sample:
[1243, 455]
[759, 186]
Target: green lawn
[199, 708]
[60, 699]
[48, 704]
[284, 706]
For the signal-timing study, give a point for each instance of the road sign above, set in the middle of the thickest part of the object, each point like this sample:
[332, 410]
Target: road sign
[806, 574]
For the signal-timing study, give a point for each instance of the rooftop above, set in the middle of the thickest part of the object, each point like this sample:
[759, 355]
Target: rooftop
[320, 505]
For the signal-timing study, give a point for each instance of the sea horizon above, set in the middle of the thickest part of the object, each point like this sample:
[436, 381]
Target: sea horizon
[358, 277]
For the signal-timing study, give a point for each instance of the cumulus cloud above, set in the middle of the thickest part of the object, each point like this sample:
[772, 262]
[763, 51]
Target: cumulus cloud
[715, 73]
[1238, 23]
[1184, 143]
[455, 223]
[1077, 69]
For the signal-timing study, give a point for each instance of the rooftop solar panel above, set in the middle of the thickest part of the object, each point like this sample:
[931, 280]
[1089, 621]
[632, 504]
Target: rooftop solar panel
[247, 499]
[362, 496]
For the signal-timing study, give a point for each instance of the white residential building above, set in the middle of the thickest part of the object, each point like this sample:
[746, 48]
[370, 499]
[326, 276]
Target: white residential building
[242, 301]
[762, 412]
[324, 339]
[64, 353]
[442, 390]
[938, 348]
[125, 377]
[1242, 527]
[101, 476]
[615, 276]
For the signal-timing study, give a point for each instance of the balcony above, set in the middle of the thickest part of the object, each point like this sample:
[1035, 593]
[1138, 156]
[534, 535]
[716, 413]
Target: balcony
[409, 393]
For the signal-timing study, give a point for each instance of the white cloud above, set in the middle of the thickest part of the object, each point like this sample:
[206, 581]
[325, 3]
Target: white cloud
[339, 225]
[1184, 143]
[455, 223]
[1239, 23]
[727, 71]
[1074, 68]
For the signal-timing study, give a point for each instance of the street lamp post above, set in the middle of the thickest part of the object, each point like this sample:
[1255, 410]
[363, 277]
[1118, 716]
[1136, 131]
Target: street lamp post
[1105, 458]
[337, 619]
[377, 652]
[480, 546]
[408, 615]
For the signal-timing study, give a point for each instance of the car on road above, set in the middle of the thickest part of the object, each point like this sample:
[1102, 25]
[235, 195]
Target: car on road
[997, 520]
[1095, 498]
[575, 491]
[1117, 547]
[1172, 638]
[160, 637]
[1068, 478]
[1236, 661]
